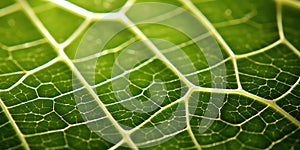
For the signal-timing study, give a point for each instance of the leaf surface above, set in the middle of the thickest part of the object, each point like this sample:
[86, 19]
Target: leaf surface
[50, 98]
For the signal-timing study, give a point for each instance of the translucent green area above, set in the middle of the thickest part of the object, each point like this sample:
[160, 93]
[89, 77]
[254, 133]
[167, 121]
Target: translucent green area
[44, 102]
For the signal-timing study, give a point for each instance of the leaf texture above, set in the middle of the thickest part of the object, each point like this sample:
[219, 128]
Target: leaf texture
[51, 99]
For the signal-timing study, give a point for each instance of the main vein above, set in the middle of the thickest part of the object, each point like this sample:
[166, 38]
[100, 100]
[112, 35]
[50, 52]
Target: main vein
[62, 55]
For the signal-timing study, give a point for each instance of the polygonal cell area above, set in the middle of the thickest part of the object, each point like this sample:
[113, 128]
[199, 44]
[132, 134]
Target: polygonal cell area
[271, 73]
[290, 103]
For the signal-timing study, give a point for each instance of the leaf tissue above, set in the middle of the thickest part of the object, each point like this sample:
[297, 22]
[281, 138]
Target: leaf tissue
[149, 74]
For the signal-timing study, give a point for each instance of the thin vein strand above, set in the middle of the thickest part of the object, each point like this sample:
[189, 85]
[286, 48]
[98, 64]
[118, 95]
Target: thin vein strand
[154, 49]
[188, 125]
[30, 13]
[270, 103]
[292, 47]
[289, 91]
[64, 57]
[14, 125]
[264, 49]
[215, 33]
[9, 9]
[30, 72]
[279, 19]
[291, 3]
[26, 45]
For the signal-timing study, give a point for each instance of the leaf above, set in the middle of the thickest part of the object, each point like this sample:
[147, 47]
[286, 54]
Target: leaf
[131, 74]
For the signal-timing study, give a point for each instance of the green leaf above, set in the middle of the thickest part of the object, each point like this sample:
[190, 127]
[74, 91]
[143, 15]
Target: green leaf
[115, 74]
